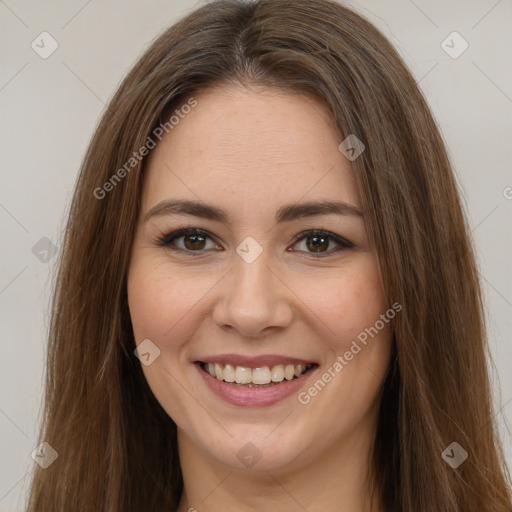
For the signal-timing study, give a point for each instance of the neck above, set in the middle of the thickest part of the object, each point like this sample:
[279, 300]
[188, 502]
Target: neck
[334, 481]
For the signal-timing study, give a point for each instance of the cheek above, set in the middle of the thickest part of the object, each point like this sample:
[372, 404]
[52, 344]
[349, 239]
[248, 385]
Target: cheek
[356, 343]
[341, 305]
[348, 302]
[158, 300]
[358, 349]
[161, 307]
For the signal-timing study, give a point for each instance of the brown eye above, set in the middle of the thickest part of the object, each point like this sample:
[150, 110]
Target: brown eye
[317, 242]
[194, 242]
[188, 240]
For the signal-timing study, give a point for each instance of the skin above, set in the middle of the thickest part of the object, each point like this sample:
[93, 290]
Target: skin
[250, 151]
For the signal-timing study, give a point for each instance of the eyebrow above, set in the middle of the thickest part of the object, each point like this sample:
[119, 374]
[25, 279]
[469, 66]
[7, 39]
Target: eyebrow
[285, 213]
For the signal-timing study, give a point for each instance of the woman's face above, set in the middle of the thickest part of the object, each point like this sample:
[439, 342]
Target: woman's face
[247, 297]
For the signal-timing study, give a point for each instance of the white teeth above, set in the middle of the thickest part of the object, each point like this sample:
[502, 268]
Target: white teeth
[243, 375]
[277, 373]
[229, 373]
[289, 371]
[259, 376]
[219, 373]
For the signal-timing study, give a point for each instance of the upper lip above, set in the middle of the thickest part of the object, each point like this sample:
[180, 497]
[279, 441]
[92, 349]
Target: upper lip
[253, 361]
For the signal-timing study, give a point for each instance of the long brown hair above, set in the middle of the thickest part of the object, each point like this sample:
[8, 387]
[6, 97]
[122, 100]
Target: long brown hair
[117, 449]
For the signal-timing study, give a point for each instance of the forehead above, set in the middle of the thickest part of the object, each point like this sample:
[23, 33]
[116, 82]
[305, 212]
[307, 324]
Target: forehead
[253, 148]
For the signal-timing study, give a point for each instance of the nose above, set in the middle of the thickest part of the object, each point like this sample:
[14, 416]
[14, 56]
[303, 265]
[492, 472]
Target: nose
[253, 298]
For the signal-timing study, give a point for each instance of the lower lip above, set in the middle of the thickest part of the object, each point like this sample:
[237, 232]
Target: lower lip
[254, 397]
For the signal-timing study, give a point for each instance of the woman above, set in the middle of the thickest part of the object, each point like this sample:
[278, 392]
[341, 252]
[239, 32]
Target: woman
[267, 297]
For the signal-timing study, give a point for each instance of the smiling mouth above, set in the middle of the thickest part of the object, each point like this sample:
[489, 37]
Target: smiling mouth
[261, 377]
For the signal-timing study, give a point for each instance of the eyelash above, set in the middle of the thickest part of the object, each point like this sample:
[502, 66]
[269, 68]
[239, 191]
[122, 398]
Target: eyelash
[168, 239]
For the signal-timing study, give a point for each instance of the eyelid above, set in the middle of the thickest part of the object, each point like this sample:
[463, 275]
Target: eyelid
[328, 234]
[167, 239]
[180, 232]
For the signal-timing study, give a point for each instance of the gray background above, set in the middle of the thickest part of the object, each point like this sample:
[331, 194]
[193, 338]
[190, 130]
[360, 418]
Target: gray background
[50, 108]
